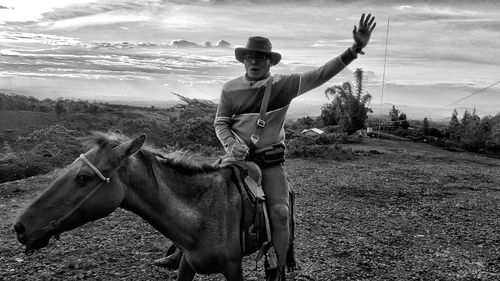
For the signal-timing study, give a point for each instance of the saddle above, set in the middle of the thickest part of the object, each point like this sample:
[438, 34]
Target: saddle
[255, 226]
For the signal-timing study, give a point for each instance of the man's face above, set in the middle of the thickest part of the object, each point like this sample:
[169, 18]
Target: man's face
[257, 65]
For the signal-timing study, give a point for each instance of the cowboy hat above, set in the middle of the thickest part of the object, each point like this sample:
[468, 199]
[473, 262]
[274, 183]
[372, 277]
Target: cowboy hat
[258, 44]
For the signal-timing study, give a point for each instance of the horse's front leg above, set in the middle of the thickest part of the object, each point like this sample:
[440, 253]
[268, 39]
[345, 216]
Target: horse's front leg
[186, 272]
[234, 271]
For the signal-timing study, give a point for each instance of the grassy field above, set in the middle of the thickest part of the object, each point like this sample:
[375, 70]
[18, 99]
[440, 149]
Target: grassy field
[395, 211]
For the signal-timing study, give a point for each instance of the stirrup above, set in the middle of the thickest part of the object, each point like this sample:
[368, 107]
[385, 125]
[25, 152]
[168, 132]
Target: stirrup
[275, 274]
[271, 269]
[271, 261]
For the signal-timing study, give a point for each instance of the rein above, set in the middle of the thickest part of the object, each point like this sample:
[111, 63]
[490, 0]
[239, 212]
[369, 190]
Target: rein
[55, 224]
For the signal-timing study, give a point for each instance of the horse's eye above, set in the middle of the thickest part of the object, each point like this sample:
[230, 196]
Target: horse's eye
[83, 178]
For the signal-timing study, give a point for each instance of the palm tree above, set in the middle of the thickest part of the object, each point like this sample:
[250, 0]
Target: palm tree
[348, 108]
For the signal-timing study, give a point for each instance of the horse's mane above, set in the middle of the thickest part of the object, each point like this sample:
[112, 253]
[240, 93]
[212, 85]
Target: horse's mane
[104, 140]
[179, 160]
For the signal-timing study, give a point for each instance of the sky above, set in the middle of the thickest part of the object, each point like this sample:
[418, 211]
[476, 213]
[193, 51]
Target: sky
[438, 52]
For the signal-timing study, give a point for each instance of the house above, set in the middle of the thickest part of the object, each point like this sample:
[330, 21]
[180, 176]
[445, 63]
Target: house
[312, 132]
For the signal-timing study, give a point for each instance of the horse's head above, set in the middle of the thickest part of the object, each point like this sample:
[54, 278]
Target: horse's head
[79, 194]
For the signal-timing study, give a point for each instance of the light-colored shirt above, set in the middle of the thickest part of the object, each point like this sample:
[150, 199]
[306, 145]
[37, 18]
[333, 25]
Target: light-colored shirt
[240, 102]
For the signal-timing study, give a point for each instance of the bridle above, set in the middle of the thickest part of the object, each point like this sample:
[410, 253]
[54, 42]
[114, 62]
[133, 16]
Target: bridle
[55, 224]
[94, 168]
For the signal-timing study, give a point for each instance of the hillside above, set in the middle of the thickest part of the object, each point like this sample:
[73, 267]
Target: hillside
[38, 136]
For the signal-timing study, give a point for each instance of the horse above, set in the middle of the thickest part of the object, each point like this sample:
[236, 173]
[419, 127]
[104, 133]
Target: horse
[196, 206]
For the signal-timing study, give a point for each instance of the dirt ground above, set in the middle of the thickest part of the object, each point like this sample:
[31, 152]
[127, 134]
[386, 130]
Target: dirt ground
[396, 211]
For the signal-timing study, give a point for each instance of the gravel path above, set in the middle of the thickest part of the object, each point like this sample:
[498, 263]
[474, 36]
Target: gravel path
[397, 211]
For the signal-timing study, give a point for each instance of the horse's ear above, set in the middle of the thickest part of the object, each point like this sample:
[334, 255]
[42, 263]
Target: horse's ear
[126, 149]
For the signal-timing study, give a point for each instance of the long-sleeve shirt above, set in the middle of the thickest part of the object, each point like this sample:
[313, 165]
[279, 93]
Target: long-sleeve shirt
[240, 102]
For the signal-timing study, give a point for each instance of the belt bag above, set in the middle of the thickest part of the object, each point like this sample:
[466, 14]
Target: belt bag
[270, 157]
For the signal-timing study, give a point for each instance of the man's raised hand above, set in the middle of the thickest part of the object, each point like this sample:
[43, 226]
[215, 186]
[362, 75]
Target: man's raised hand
[362, 34]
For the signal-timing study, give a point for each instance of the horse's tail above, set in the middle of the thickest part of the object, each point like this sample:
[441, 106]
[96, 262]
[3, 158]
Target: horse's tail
[291, 263]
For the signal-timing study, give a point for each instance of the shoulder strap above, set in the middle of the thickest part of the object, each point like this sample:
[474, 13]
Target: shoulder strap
[261, 121]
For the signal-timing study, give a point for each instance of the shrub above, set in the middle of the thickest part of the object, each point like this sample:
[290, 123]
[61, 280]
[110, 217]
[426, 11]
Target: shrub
[434, 132]
[324, 146]
[23, 165]
[44, 150]
[334, 138]
[322, 151]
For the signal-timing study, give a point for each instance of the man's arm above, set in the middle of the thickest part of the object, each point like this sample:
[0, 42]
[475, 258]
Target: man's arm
[223, 131]
[222, 122]
[312, 79]
[317, 77]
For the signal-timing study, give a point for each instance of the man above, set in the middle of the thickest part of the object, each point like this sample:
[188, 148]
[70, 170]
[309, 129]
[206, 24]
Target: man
[240, 104]
[238, 113]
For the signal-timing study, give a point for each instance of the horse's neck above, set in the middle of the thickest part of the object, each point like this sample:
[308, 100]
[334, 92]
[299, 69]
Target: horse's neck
[168, 201]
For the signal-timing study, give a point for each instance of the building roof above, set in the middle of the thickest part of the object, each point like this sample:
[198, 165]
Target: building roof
[314, 130]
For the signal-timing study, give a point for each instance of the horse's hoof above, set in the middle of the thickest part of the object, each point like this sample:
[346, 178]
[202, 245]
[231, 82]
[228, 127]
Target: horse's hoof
[167, 262]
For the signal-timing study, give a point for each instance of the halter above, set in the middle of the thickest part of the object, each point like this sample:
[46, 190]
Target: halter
[55, 224]
[99, 174]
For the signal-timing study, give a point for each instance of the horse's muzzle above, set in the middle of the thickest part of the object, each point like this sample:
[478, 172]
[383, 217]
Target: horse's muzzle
[21, 233]
[32, 241]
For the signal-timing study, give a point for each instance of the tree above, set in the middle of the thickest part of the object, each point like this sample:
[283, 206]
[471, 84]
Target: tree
[3, 103]
[348, 107]
[394, 114]
[494, 134]
[473, 134]
[307, 122]
[454, 127]
[403, 122]
[195, 108]
[328, 114]
[425, 126]
[465, 119]
[59, 108]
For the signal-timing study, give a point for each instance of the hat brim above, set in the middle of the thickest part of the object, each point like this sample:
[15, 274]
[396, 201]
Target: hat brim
[240, 53]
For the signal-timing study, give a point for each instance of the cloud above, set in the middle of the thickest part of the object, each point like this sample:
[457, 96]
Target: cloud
[97, 7]
[40, 38]
[95, 20]
[430, 42]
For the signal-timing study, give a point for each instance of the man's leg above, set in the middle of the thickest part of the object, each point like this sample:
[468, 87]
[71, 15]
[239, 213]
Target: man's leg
[275, 186]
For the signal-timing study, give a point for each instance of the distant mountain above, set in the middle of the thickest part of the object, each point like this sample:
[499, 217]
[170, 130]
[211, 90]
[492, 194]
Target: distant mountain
[207, 44]
[296, 110]
[433, 113]
[178, 43]
[183, 44]
[189, 44]
[156, 104]
[119, 45]
[299, 110]
[303, 109]
[223, 44]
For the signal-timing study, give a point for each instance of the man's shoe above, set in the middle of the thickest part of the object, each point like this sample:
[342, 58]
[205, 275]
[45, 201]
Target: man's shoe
[171, 262]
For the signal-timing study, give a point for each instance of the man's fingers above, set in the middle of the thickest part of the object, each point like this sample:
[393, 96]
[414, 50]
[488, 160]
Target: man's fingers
[371, 21]
[373, 27]
[362, 20]
[354, 30]
[240, 155]
[241, 149]
[367, 19]
[238, 150]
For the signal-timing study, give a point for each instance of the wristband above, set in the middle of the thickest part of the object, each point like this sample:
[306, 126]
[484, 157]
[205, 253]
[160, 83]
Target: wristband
[357, 49]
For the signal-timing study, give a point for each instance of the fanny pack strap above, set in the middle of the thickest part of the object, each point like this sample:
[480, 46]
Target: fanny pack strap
[261, 121]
